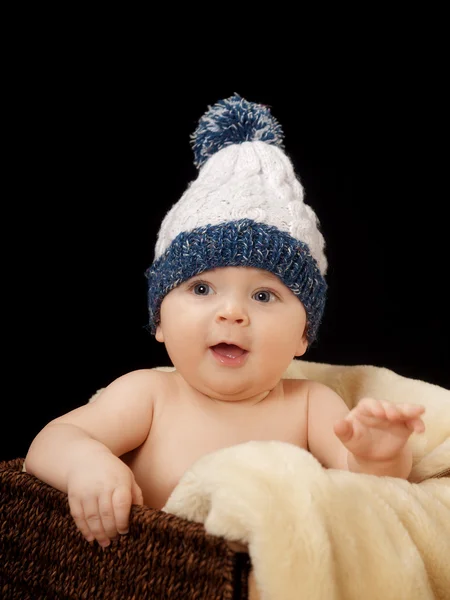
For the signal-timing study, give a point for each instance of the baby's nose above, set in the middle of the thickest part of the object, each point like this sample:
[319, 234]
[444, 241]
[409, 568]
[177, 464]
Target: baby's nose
[232, 312]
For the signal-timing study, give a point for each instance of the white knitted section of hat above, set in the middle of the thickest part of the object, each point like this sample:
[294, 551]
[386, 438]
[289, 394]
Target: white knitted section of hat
[252, 180]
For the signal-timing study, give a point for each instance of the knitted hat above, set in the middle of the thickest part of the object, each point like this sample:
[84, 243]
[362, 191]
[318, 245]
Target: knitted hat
[245, 208]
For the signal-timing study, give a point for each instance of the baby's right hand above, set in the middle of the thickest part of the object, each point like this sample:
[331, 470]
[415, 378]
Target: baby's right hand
[101, 490]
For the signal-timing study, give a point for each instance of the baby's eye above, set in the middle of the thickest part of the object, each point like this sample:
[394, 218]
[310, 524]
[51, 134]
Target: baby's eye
[202, 289]
[264, 296]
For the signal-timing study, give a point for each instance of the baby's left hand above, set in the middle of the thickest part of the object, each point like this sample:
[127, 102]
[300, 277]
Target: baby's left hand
[378, 431]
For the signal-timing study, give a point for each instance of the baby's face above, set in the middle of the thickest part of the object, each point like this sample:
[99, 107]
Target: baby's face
[232, 332]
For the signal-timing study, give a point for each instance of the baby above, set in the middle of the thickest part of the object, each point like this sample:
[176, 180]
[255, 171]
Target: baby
[236, 291]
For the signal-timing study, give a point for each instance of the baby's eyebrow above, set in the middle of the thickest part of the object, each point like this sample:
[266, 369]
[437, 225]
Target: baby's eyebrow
[189, 281]
[271, 277]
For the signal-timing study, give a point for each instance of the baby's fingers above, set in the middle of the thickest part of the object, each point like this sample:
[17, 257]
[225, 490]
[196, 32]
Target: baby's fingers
[122, 500]
[410, 414]
[77, 512]
[86, 514]
[136, 494]
[369, 407]
[344, 430]
[415, 425]
[392, 411]
[405, 413]
[92, 512]
[410, 411]
[106, 509]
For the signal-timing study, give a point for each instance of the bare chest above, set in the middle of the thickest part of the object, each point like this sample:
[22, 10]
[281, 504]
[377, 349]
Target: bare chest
[181, 434]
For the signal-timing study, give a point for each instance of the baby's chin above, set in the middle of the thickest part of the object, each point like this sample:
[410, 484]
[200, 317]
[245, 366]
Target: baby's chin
[225, 390]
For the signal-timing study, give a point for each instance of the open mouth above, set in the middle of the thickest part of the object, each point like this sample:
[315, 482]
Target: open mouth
[229, 354]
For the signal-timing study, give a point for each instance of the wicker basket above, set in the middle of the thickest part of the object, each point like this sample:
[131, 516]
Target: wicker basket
[42, 554]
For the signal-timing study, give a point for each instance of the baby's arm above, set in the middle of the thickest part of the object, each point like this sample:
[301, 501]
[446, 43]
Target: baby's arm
[78, 454]
[371, 438]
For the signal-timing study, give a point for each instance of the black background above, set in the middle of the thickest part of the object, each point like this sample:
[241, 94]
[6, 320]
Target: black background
[99, 150]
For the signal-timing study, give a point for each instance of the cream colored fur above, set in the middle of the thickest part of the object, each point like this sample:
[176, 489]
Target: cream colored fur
[320, 534]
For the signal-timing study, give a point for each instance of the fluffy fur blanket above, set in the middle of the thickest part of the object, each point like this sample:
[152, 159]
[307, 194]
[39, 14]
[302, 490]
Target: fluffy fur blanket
[311, 533]
[326, 534]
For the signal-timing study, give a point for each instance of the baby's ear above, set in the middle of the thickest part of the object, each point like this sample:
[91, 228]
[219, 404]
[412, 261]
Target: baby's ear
[159, 334]
[302, 345]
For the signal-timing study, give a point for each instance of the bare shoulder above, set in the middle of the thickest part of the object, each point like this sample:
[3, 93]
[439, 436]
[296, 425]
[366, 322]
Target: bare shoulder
[121, 415]
[316, 388]
[142, 384]
[301, 387]
[319, 396]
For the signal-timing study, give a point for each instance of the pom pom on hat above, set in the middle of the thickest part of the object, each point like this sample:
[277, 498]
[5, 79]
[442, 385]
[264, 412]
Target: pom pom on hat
[245, 209]
[234, 121]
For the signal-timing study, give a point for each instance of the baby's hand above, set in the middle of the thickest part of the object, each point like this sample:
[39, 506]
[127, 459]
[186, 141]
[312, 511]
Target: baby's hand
[378, 431]
[101, 489]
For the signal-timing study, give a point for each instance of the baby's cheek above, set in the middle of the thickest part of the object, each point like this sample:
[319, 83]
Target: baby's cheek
[277, 352]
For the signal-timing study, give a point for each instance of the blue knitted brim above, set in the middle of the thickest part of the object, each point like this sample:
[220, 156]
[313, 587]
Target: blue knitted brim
[242, 243]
